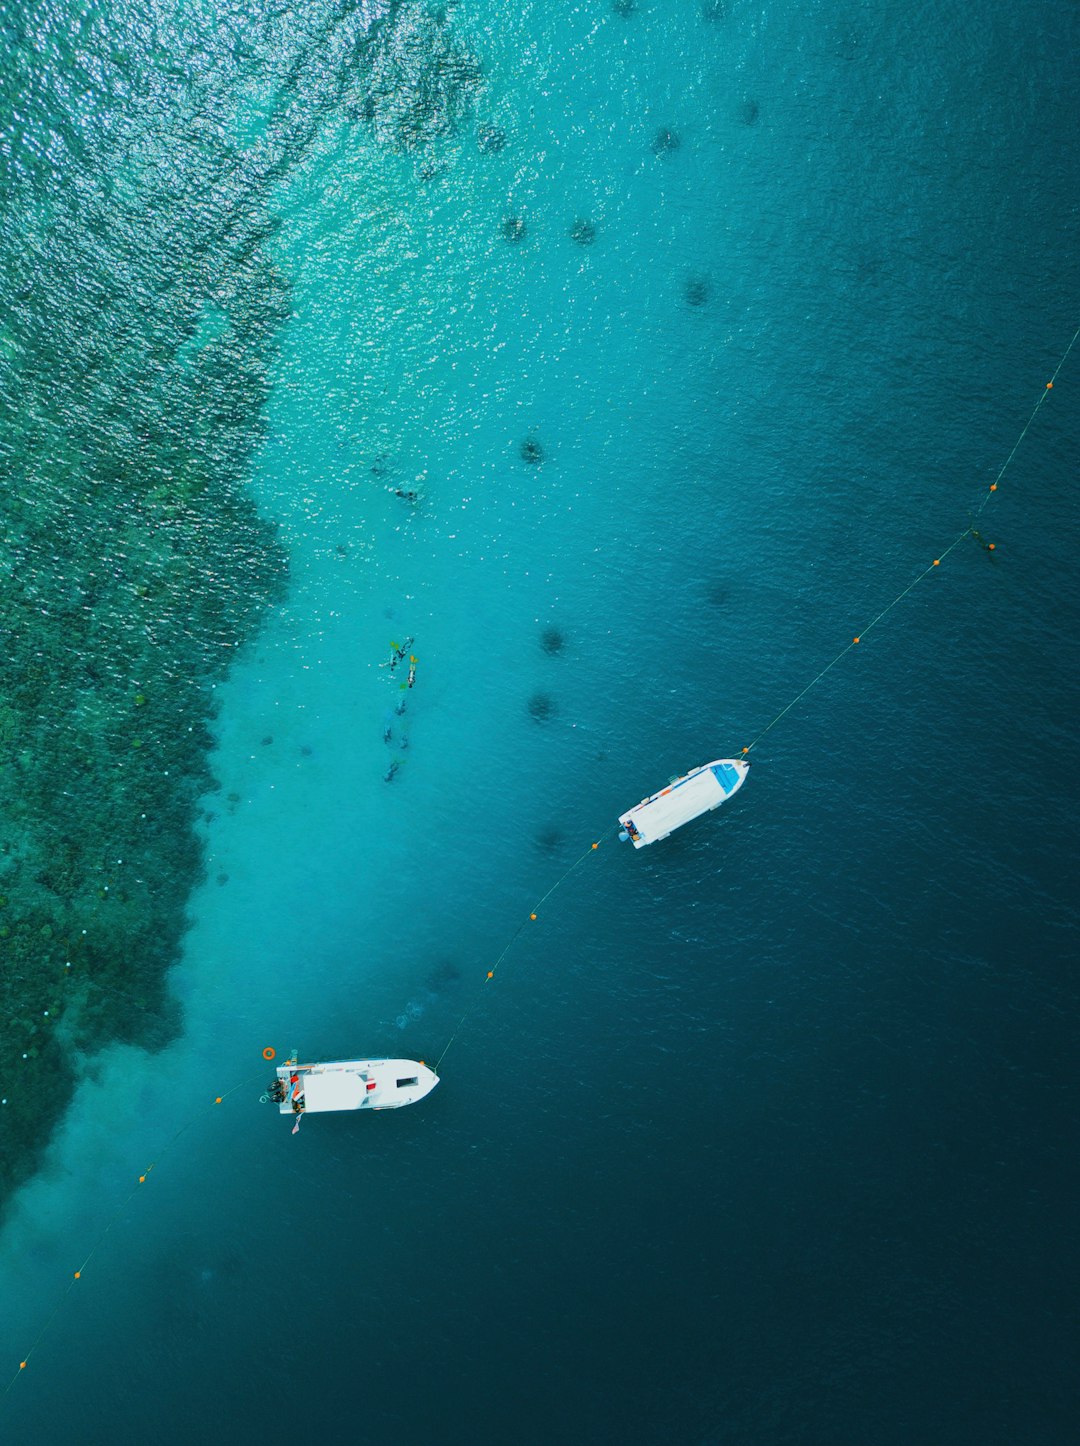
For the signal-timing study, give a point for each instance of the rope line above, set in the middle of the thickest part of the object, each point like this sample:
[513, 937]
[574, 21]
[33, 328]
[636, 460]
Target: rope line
[967, 532]
[516, 935]
[113, 1218]
[1042, 398]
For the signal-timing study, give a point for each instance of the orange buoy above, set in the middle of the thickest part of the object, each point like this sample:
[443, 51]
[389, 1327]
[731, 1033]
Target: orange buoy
[532, 916]
[269, 1053]
[854, 640]
[491, 973]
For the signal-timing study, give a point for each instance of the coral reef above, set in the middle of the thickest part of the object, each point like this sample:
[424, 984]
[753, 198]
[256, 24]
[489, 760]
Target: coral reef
[490, 138]
[542, 707]
[141, 333]
[419, 79]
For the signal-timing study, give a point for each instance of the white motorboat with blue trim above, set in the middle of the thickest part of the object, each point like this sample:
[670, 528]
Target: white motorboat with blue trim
[695, 793]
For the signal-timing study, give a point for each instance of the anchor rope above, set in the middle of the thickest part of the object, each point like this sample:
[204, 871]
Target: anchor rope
[516, 935]
[967, 532]
[113, 1218]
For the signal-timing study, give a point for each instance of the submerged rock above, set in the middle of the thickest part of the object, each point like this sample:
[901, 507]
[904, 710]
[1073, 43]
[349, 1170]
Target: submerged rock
[490, 139]
[542, 706]
[665, 141]
[552, 640]
[583, 232]
[513, 230]
[531, 451]
[696, 291]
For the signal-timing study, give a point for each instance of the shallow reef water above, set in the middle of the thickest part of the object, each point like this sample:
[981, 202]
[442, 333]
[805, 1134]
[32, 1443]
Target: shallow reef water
[141, 327]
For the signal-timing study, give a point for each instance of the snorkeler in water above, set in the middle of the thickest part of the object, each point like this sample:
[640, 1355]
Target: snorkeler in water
[398, 651]
[412, 671]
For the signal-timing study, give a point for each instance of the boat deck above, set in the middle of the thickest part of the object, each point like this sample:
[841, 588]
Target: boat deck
[684, 798]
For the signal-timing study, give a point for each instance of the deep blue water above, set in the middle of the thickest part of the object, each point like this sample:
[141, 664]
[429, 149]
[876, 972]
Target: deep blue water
[764, 1134]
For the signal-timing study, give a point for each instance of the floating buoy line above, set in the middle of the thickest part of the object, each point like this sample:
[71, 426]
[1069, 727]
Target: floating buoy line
[269, 1053]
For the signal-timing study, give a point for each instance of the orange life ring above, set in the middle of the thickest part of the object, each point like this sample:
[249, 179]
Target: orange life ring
[269, 1053]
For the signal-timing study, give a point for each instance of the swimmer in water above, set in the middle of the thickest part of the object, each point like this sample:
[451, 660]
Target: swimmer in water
[388, 776]
[397, 653]
[412, 671]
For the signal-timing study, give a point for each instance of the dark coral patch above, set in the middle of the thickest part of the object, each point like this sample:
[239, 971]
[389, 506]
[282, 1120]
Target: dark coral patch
[490, 138]
[542, 707]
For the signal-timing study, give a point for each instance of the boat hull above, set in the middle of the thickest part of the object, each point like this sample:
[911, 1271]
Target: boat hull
[353, 1084]
[685, 798]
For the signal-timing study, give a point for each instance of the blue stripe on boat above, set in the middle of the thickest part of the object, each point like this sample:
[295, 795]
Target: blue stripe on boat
[726, 776]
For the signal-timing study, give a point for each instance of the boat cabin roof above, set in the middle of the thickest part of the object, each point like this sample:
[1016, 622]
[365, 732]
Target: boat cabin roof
[333, 1090]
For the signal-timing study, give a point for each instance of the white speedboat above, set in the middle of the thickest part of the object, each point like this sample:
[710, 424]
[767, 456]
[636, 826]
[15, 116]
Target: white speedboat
[695, 793]
[350, 1084]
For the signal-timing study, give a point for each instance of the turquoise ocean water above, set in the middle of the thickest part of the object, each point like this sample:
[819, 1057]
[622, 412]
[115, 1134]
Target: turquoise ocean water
[765, 1134]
